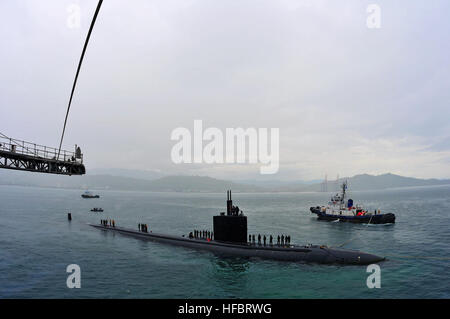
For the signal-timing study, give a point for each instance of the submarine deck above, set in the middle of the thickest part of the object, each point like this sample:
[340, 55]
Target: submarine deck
[316, 254]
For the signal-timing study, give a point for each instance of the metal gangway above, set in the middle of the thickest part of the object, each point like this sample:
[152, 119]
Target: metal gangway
[32, 157]
[26, 156]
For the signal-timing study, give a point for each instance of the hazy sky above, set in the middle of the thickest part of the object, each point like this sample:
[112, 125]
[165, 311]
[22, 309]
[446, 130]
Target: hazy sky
[347, 99]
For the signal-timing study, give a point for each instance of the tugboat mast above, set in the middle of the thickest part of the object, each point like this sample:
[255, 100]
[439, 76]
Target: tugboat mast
[344, 187]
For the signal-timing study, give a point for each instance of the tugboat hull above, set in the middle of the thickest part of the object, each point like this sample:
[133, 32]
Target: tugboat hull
[388, 218]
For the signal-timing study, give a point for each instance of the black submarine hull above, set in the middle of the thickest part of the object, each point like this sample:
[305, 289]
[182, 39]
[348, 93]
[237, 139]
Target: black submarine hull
[314, 254]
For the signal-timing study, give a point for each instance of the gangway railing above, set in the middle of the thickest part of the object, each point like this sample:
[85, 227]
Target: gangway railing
[37, 150]
[22, 155]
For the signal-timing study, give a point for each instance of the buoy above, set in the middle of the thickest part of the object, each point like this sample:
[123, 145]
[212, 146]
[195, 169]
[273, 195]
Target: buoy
[69, 216]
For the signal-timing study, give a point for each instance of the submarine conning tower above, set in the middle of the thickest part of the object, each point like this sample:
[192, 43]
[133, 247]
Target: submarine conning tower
[232, 226]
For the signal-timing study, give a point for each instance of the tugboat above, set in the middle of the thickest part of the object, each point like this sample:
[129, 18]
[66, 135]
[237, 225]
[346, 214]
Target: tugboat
[88, 194]
[97, 209]
[230, 238]
[338, 209]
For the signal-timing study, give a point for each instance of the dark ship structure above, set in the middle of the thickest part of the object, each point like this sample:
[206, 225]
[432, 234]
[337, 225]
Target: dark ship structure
[343, 210]
[88, 194]
[230, 238]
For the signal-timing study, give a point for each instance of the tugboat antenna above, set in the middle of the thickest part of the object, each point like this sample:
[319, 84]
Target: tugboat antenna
[344, 186]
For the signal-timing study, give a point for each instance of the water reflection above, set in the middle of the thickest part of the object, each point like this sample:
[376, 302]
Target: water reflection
[230, 274]
[224, 264]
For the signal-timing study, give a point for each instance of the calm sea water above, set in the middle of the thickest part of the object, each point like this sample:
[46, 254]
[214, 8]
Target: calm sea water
[37, 243]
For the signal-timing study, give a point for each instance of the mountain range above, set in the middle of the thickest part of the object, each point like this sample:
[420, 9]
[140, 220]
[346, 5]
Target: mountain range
[133, 180]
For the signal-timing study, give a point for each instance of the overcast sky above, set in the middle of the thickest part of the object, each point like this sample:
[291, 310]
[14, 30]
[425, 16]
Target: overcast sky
[347, 99]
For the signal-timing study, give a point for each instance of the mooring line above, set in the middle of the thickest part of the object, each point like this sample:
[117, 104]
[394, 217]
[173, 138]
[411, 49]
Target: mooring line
[357, 235]
[419, 257]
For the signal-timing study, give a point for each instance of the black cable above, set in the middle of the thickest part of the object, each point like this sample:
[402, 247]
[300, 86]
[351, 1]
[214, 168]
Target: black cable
[78, 71]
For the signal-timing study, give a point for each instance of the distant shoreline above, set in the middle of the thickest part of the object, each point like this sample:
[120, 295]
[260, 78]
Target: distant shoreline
[220, 192]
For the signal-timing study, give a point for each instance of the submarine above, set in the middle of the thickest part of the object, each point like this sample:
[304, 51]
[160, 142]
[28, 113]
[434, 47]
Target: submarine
[230, 238]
